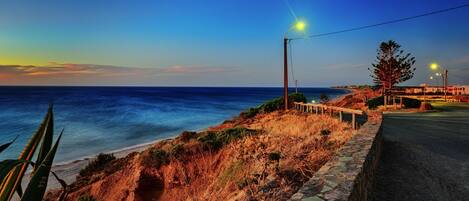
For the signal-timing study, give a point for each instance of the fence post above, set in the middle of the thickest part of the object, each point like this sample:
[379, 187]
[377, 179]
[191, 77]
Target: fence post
[354, 125]
[340, 116]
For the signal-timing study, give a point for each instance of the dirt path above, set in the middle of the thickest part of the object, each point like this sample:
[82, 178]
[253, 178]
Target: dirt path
[425, 156]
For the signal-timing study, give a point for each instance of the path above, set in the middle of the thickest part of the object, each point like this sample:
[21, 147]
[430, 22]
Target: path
[425, 156]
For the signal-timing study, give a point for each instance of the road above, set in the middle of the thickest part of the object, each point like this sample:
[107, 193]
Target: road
[425, 156]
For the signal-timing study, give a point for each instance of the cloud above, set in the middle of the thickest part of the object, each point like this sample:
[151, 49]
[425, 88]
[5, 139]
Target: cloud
[191, 70]
[58, 73]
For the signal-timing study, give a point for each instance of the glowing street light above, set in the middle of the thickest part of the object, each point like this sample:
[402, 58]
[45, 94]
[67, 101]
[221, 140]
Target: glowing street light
[443, 74]
[300, 26]
[431, 77]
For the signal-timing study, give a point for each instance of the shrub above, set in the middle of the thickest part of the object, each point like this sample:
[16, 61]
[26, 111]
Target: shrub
[297, 97]
[177, 151]
[86, 197]
[187, 135]
[407, 102]
[210, 140]
[273, 105]
[231, 134]
[323, 98]
[158, 157]
[97, 164]
[216, 139]
[411, 103]
[251, 112]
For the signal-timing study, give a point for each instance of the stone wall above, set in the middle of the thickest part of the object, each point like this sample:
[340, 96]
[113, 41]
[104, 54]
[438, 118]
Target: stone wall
[349, 174]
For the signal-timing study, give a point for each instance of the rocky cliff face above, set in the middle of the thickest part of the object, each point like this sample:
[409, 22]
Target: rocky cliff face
[267, 157]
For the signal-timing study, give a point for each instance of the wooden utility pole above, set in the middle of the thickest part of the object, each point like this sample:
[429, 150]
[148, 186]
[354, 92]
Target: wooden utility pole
[285, 72]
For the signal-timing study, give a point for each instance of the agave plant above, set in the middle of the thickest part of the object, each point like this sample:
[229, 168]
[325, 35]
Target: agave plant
[13, 170]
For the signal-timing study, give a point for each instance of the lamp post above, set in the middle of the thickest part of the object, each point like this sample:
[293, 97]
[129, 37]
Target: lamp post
[298, 26]
[285, 72]
[444, 75]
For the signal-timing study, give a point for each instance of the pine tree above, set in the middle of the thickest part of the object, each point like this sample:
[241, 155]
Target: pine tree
[392, 65]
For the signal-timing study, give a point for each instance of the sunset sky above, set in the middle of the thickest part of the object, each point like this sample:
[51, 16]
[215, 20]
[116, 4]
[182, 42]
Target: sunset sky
[220, 43]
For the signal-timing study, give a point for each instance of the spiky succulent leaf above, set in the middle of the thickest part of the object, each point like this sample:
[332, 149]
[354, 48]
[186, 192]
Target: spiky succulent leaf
[5, 146]
[14, 178]
[47, 139]
[38, 184]
[7, 165]
[19, 191]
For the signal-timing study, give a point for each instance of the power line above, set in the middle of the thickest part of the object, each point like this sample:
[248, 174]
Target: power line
[384, 23]
[291, 61]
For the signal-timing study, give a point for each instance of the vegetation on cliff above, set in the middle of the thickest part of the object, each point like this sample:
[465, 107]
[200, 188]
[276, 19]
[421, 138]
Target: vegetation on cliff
[273, 105]
[267, 157]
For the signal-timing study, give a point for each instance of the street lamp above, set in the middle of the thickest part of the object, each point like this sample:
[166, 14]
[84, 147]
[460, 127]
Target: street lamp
[298, 26]
[444, 75]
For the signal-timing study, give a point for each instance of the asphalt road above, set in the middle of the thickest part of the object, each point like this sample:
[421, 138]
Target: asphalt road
[425, 156]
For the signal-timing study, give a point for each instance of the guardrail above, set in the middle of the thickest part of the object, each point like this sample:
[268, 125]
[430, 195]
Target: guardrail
[324, 109]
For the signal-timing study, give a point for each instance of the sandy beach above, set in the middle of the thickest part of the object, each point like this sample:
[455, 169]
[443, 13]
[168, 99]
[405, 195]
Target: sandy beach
[69, 170]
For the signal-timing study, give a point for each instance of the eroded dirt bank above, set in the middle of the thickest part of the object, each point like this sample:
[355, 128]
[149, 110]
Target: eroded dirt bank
[267, 157]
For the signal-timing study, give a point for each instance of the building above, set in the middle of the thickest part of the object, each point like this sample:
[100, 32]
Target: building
[458, 90]
[431, 90]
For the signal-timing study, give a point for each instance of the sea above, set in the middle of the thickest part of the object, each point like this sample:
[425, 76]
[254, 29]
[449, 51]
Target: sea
[104, 119]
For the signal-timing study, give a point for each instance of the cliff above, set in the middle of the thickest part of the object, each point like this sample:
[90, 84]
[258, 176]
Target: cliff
[265, 157]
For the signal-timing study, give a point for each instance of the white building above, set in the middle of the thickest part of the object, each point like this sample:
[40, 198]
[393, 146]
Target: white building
[458, 90]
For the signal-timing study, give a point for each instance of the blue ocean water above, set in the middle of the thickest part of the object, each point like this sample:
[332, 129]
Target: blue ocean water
[100, 119]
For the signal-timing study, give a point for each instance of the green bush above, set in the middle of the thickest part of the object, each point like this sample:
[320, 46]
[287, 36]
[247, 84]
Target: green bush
[375, 102]
[86, 197]
[158, 157]
[274, 104]
[187, 135]
[323, 98]
[251, 112]
[177, 151]
[99, 163]
[407, 102]
[216, 139]
[411, 103]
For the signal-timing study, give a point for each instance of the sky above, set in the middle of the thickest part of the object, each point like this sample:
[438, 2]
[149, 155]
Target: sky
[221, 43]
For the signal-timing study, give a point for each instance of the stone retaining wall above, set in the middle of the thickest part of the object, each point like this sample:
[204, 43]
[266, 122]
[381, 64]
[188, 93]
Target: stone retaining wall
[349, 174]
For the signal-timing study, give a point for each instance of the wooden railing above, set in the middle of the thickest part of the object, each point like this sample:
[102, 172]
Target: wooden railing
[327, 109]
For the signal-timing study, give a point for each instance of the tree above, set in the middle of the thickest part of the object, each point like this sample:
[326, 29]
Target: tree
[323, 98]
[392, 66]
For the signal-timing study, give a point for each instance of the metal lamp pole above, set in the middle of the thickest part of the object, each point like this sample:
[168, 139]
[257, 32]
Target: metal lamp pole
[446, 83]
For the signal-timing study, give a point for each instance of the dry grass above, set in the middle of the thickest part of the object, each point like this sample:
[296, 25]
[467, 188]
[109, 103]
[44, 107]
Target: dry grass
[272, 164]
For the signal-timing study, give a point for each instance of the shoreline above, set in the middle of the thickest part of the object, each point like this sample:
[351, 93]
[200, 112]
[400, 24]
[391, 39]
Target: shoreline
[68, 170]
